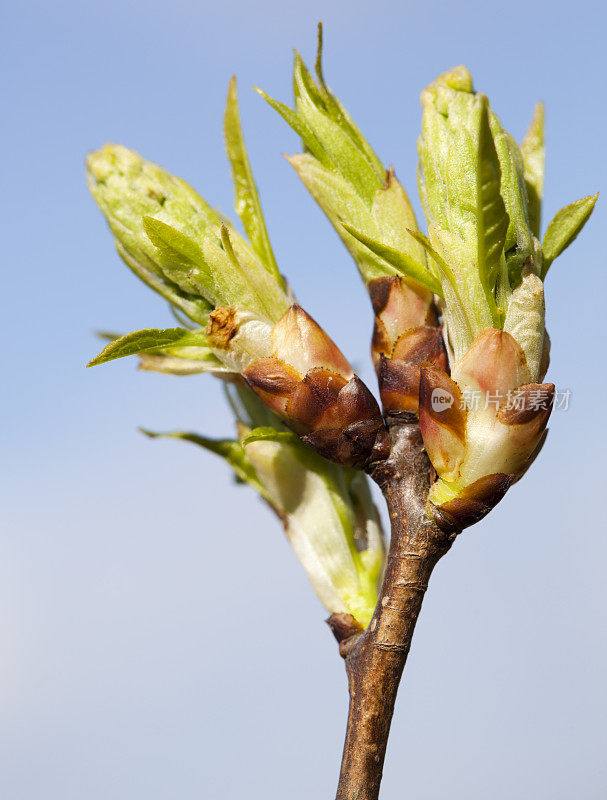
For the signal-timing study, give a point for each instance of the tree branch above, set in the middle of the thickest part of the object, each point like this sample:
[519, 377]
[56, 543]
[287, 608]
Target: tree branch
[375, 659]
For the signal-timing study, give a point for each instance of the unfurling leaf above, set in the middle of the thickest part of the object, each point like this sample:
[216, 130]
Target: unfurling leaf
[343, 153]
[180, 257]
[268, 434]
[174, 361]
[533, 152]
[340, 115]
[329, 519]
[170, 237]
[197, 308]
[430, 251]
[341, 203]
[564, 228]
[247, 204]
[402, 262]
[491, 217]
[519, 246]
[327, 511]
[148, 339]
[294, 121]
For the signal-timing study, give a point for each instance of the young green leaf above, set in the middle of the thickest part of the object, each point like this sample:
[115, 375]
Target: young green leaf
[434, 255]
[564, 228]
[301, 128]
[340, 148]
[400, 261]
[181, 259]
[491, 217]
[341, 203]
[519, 244]
[394, 214]
[452, 292]
[268, 434]
[247, 204]
[533, 152]
[148, 339]
[339, 114]
[304, 87]
[197, 308]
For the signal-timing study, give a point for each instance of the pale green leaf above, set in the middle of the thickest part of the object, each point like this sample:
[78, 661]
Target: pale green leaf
[341, 203]
[340, 115]
[491, 217]
[564, 228]
[197, 308]
[301, 128]
[247, 204]
[430, 250]
[394, 214]
[533, 152]
[460, 188]
[525, 321]
[340, 148]
[268, 434]
[241, 279]
[147, 339]
[519, 244]
[216, 271]
[181, 258]
[400, 261]
[305, 87]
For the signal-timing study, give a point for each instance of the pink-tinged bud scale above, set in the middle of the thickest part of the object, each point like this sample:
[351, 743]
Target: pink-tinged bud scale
[405, 336]
[311, 385]
[485, 421]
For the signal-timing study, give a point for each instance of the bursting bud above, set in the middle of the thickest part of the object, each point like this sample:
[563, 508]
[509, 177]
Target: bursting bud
[326, 510]
[372, 214]
[171, 238]
[485, 423]
[243, 318]
[309, 383]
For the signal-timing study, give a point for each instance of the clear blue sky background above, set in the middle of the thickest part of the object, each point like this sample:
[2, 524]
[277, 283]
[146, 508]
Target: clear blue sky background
[157, 637]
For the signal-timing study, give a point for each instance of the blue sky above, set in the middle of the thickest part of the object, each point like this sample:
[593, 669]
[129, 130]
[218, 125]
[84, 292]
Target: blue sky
[157, 637]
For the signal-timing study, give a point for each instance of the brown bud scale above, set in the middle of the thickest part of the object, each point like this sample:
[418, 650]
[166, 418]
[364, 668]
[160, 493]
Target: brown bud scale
[473, 503]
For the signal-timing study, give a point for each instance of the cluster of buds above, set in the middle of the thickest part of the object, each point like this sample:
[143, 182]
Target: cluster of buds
[239, 322]
[459, 336]
[245, 320]
[469, 295]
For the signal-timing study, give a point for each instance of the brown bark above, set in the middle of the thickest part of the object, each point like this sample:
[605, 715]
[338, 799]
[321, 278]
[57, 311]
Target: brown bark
[375, 659]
